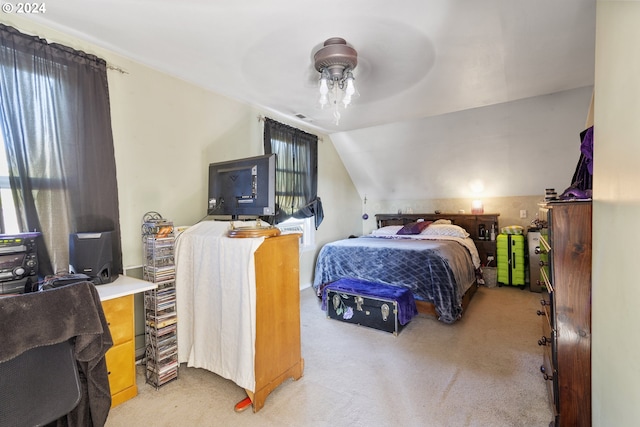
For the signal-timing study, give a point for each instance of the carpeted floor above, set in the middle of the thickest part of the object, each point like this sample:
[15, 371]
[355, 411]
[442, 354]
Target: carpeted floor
[480, 371]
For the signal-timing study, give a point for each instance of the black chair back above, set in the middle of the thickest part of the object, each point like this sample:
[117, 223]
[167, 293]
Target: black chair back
[39, 386]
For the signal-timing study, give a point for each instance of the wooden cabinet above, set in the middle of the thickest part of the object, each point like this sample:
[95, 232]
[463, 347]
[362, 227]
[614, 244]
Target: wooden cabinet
[277, 347]
[470, 222]
[566, 311]
[121, 357]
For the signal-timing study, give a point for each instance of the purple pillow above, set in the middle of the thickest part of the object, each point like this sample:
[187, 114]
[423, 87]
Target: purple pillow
[413, 228]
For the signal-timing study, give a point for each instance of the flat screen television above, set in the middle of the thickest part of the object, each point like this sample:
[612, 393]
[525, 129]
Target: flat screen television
[243, 187]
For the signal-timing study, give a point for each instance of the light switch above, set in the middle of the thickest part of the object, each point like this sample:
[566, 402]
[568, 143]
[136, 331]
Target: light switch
[523, 213]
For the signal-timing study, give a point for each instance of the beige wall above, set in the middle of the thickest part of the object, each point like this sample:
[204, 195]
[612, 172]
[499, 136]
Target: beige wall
[167, 131]
[616, 210]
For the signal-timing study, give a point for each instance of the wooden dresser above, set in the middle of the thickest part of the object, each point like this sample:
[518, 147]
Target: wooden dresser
[566, 311]
[278, 354]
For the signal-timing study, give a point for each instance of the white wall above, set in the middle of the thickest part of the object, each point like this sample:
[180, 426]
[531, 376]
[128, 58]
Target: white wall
[616, 210]
[167, 131]
[517, 148]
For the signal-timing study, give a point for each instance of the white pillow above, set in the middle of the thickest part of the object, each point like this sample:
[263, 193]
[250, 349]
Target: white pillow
[445, 230]
[389, 230]
[442, 221]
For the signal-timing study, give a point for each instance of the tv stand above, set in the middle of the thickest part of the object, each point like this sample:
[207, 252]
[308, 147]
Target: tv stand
[277, 347]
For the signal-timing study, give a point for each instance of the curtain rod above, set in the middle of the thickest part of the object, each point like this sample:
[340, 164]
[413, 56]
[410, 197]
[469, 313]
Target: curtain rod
[261, 119]
[118, 69]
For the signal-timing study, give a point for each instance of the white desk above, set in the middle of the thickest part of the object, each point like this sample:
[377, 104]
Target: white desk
[123, 286]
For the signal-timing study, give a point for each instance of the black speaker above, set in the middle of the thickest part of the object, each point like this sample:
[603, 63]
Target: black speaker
[92, 254]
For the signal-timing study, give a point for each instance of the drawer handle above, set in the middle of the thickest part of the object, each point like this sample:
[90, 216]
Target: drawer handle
[546, 376]
[544, 341]
[544, 302]
[537, 250]
[540, 313]
[542, 263]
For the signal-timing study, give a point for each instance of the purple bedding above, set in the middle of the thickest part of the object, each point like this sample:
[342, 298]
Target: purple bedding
[436, 271]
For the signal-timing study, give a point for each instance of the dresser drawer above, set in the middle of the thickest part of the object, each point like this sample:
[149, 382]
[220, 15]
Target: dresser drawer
[549, 375]
[122, 372]
[119, 315]
[121, 367]
[121, 357]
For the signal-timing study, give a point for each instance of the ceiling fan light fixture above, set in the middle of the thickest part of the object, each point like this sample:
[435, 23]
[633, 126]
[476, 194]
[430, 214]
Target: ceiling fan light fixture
[335, 62]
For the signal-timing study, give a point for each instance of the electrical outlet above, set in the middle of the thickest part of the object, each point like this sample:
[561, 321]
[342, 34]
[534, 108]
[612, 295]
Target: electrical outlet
[523, 213]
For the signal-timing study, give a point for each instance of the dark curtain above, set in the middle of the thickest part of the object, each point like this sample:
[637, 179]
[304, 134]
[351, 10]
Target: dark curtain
[56, 123]
[296, 171]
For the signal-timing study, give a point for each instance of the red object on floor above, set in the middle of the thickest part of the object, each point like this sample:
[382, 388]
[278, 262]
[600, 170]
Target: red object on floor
[242, 405]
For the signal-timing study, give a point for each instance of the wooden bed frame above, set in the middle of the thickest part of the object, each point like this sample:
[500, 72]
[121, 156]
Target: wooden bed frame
[429, 308]
[469, 222]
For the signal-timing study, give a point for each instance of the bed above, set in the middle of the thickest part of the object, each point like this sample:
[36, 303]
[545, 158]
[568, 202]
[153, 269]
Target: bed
[436, 260]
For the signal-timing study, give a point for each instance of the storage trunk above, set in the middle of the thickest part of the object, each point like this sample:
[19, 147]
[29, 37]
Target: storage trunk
[510, 254]
[374, 312]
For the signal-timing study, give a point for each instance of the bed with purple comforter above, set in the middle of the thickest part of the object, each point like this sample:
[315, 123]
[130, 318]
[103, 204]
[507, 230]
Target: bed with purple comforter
[437, 271]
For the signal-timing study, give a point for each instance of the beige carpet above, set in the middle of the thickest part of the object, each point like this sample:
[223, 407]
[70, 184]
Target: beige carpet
[481, 371]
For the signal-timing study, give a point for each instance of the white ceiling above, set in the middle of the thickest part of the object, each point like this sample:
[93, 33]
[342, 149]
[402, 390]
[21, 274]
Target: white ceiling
[417, 58]
[419, 62]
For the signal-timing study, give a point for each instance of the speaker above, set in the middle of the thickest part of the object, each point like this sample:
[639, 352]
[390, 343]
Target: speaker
[92, 254]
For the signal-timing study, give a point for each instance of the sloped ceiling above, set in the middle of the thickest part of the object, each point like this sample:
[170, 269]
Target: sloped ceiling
[418, 59]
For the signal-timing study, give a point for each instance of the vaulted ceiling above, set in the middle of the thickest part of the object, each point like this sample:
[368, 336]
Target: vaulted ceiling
[416, 58]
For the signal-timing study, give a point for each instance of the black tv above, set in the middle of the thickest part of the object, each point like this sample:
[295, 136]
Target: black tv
[243, 187]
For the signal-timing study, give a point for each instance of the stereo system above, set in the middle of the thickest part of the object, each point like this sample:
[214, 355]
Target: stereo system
[92, 254]
[18, 262]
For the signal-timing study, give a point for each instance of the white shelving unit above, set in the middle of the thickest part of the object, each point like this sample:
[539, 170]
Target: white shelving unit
[161, 318]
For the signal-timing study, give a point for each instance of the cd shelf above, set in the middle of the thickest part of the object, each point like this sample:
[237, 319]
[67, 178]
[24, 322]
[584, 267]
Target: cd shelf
[161, 318]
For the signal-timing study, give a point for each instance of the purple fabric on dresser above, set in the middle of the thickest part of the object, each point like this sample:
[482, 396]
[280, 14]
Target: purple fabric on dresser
[406, 303]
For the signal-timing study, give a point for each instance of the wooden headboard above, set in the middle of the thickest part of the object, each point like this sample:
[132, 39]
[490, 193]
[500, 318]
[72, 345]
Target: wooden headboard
[469, 222]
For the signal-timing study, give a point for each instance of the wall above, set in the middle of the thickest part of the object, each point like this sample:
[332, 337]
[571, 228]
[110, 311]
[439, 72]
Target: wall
[516, 148]
[616, 209]
[167, 131]
[505, 155]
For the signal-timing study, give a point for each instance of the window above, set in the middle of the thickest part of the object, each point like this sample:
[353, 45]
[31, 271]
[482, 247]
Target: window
[297, 202]
[57, 173]
[8, 217]
[304, 226]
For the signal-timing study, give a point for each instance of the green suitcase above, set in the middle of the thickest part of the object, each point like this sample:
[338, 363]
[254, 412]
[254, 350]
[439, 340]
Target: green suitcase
[510, 254]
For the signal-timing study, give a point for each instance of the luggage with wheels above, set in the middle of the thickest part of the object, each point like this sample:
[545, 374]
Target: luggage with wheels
[510, 257]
